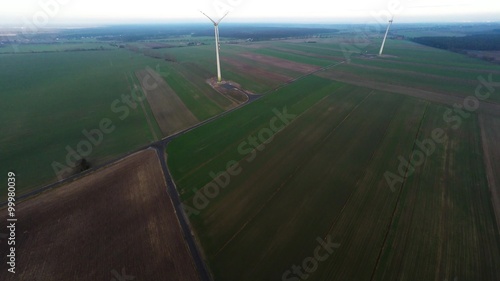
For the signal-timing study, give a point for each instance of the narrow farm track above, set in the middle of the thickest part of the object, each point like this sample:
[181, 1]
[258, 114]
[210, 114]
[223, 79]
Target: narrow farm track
[146, 115]
[183, 220]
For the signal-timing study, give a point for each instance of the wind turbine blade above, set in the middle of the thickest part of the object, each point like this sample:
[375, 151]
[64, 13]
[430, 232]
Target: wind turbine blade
[209, 18]
[222, 18]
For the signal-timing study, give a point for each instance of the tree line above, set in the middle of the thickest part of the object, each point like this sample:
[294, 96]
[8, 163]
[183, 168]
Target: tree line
[478, 42]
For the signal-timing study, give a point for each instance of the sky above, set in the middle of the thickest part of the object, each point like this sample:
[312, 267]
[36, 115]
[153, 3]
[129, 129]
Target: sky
[60, 12]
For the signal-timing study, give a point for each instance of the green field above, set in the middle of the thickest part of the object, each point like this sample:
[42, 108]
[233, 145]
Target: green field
[324, 175]
[48, 99]
[269, 216]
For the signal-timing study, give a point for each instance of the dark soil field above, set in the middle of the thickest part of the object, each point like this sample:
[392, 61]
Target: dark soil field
[116, 221]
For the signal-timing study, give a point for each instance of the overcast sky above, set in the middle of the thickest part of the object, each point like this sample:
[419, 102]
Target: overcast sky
[91, 12]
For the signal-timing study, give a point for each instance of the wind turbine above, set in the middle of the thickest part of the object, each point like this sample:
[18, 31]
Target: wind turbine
[385, 37]
[217, 43]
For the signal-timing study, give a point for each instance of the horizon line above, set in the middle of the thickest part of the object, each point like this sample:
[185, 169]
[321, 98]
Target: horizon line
[201, 22]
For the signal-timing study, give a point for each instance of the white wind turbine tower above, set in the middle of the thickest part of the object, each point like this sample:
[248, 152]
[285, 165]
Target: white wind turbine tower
[385, 37]
[217, 43]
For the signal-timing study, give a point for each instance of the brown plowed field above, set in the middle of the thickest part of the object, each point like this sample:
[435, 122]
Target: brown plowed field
[170, 112]
[118, 220]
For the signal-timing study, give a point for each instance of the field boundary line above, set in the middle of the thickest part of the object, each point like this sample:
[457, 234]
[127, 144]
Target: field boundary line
[150, 125]
[398, 199]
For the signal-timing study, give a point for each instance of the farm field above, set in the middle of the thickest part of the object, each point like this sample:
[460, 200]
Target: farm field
[333, 185]
[379, 161]
[204, 149]
[44, 113]
[170, 112]
[444, 211]
[269, 216]
[108, 224]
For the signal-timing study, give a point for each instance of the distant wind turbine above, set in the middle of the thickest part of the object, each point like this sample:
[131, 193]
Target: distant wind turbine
[217, 43]
[385, 37]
